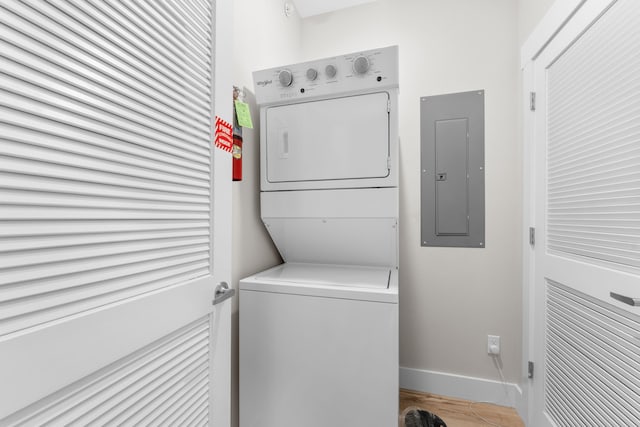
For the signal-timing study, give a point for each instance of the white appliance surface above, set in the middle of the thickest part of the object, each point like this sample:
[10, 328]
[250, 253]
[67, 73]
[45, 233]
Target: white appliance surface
[333, 139]
[347, 226]
[331, 77]
[360, 241]
[332, 281]
[330, 123]
[313, 360]
[319, 333]
[329, 275]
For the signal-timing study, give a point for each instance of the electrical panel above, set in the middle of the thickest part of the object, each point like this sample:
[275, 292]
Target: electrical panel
[452, 170]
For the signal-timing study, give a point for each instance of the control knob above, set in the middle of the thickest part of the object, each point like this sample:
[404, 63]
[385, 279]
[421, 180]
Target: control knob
[312, 74]
[361, 65]
[285, 77]
[331, 71]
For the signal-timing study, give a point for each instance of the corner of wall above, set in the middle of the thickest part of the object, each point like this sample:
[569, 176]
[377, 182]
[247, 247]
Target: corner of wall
[262, 36]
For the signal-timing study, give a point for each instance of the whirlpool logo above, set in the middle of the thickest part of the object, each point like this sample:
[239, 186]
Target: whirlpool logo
[264, 82]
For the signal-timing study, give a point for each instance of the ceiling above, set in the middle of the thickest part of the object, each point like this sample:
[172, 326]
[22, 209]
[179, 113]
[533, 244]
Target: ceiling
[308, 8]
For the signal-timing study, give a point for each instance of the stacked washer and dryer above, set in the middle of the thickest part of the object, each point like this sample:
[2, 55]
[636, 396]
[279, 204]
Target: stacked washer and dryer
[319, 333]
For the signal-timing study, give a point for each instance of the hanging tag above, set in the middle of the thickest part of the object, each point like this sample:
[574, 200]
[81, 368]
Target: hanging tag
[244, 114]
[223, 135]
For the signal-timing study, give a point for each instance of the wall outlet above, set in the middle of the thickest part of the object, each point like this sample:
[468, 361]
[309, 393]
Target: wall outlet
[493, 344]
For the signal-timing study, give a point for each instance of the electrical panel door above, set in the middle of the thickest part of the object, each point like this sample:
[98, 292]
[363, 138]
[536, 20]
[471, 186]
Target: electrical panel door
[452, 169]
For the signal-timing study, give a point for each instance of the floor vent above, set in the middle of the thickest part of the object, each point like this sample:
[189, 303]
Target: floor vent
[592, 361]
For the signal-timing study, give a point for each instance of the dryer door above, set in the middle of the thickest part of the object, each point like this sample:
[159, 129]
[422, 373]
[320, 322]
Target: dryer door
[327, 141]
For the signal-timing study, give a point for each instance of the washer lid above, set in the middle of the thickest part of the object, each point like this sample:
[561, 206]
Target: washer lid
[329, 275]
[333, 281]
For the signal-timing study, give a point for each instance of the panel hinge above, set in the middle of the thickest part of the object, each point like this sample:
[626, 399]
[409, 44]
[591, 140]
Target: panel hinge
[530, 370]
[388, 106]
[532, 236]
[532, 101]
[388, 163]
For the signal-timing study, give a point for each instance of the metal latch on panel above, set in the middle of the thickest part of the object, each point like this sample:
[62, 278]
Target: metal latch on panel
[530, 370]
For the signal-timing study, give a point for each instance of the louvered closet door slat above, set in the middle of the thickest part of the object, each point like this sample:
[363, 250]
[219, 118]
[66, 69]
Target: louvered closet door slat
[195, 12]
[105, 164]
[126, 288]
[30, 37]
[154, 23]
[53, 22]
[81, 96]
[174, 20]
[593, 360]
[28, 229]
[175, 365]
[125, 24]
[593, 207]
[621, 358]
[45, 269]
[116, 278]
[37, 55]
[53, 134]
[21, 182]
[89, 120]
[91, 37]
[39, 140]
[95, 119]
[53, 241]
[66, 213]
[603, 160]
[97, 250]
[28, 168]
[573, 408]
[41, 198]
[25, 61]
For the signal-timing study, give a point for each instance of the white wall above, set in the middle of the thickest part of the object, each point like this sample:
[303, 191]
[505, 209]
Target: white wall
[530, 12]
[450, 298]
[262, 37]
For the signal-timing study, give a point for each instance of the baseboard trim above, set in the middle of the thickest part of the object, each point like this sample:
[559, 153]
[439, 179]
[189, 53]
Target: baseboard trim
[462, 387]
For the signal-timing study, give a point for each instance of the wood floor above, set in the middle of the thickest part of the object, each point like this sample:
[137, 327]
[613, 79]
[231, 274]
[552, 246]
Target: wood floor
[461, 413]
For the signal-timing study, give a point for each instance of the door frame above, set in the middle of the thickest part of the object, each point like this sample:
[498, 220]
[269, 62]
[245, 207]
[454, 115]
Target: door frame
[559, 15]
[220, 373]
[546, 29]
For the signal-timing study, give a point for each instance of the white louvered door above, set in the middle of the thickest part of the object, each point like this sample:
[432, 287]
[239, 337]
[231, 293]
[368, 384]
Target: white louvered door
[107, 206]
[587, 210]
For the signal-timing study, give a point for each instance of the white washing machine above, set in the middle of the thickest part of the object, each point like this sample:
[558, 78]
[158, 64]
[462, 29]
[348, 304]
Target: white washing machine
[319, 333]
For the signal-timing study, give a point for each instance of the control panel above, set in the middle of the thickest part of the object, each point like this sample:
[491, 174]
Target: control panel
[355, 72]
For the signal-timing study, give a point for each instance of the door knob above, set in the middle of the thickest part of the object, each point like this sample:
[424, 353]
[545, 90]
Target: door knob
[222, 293]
